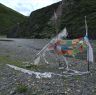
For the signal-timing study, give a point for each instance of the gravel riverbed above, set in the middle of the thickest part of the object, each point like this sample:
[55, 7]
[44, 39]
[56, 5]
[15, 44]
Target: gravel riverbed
[14, 82]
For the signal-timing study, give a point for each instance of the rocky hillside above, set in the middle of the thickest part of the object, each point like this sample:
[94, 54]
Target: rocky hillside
[36, 25]
[8, 18]
[40, 23]
[73, 17]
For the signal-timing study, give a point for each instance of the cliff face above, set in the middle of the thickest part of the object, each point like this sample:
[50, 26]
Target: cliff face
[41, 24]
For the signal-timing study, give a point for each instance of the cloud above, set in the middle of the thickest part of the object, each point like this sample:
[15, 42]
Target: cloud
[27, 6]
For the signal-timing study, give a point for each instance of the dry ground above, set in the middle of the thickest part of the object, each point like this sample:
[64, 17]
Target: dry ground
[21, 52]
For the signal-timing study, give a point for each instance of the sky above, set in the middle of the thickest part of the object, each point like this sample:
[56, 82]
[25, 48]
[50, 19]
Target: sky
[25, 7]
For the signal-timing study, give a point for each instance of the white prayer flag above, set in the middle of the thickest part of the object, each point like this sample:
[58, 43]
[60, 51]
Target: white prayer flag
[37, 60]
[90, 49]
[90, 56]
[63, 34]
[55, 15]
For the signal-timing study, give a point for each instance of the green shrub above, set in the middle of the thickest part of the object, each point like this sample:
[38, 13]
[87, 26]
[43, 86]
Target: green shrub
[21, 88]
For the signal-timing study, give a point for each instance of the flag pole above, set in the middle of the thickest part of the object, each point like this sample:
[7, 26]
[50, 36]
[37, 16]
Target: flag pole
[86, 27]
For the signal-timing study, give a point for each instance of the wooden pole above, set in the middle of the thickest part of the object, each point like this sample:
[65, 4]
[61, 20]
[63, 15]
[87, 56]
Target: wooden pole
[86, 27]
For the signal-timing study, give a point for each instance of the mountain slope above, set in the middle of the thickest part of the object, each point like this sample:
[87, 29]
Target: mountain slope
[41, 25]
[73, 17]
[34, 26]
[8, 18]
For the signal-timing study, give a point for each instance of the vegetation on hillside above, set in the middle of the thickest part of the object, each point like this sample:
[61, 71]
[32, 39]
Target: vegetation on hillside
[8, 19]
[73, 17]
[37, 22]
[40, 25]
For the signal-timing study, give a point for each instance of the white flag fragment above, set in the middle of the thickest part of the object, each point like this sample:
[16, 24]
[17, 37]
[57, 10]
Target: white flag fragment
[90, 56]
[63, 34]
[55, 15]
[36, 61]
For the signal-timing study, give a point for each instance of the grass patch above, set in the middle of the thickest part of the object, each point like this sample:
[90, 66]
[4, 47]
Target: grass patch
[21, 88]
[6, 60]
[34, 67]
[77, 77]
[42, 68]
[8, 19]
[19, 46]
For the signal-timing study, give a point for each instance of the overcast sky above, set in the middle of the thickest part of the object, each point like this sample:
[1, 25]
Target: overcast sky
[27, 6]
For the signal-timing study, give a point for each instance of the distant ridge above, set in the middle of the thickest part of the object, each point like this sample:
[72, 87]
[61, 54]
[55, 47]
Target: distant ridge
[9, 18]
[40, 25]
